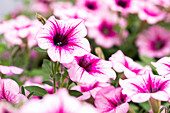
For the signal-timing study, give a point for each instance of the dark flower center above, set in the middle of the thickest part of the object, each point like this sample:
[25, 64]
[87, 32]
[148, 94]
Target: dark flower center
[60, 40]
[91, 5]
[122, 3]
[107, 29]
[158, 45]
[85, 64]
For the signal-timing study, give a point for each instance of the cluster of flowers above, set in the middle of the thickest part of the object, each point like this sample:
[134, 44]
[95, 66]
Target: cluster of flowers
[66, 46]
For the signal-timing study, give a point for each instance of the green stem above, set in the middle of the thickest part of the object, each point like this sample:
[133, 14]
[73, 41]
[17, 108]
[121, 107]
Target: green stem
[13, 54]
[155, 105]
[27, 57]
[54, 84]
[54, 72]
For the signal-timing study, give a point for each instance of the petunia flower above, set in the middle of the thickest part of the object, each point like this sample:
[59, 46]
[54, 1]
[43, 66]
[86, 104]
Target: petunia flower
[104, 30]
[41, 6]
[142, 88]
[68, 11]
[9, 90]
[154, 42]
[122, 63]
[163, 66]
[63, 39]
[150, 12]
[89, 68]
[20, 31]
[9, 70]
[92, 6]
[111, 100]
[89, 90]
[124, 6]
[61, 102]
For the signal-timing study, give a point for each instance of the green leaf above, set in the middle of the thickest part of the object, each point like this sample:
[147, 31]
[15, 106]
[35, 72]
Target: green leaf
[75, 93]
[46, 66]
[145, 106]
[37, 91]
[146, 59]
[22, 90]
[48, 82]
[40, 50]
[30, 95]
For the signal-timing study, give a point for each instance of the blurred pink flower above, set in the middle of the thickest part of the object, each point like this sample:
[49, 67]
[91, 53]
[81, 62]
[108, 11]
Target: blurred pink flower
[163, 66]
[154, 42]
[64, 39]
[6, 108]
[150, 12]
[9, 90]
[61, 102]
[20, 31]
[122, 63]
[89, 90]
[73, 12]
[162, 3]
[124, 6]
[10, 70]
[92, 6]
[41, 6]
[89, 68]
[103, 31]
[34, 54]
[141, 88]
[111, 100]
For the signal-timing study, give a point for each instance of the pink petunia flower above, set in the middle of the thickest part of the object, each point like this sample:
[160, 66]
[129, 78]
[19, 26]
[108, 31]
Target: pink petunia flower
[20, 31]
[41, 6]
[151, 13]
[89, 90]
[92, 6]
[163, 66]
[89, 68]
[111, 100]
[72, 12]
[10, 70]
[122, 63]
[61, 102]
[9, 90]
[141, 88]
[154, 42]
[63, 39]
[103, 31]
[124, 6]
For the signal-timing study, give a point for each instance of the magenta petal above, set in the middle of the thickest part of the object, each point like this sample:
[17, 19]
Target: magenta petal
[79, 46]
[16, 70]
[4, 69]
[164, 96]
[141, 97]
[123, 108]
[45, 43]
[79, 74]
